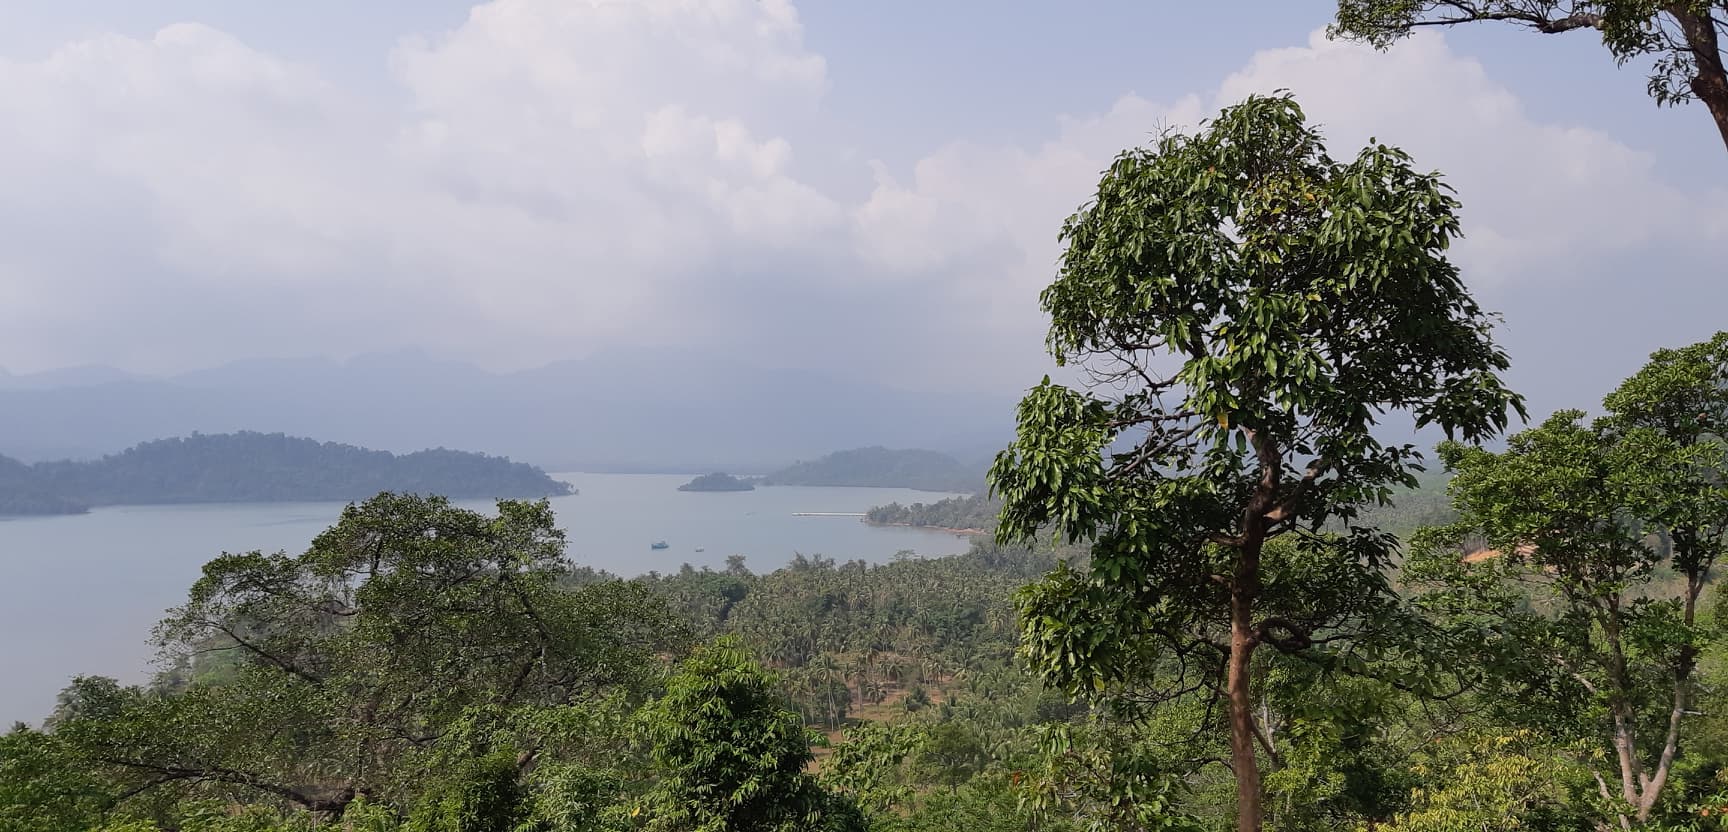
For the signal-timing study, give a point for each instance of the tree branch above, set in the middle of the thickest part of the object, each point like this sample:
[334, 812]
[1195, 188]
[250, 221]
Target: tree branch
[1474, 13]
[170, 774]
[285, 665]
[1287, 506]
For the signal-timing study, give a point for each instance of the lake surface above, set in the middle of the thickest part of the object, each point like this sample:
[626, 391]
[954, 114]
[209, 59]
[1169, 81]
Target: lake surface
[79, 594]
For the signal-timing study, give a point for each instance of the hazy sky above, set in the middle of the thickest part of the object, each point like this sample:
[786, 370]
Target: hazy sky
[869, 186]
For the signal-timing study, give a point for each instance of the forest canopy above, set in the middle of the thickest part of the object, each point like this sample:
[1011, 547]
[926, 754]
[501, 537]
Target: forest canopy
[976, 512]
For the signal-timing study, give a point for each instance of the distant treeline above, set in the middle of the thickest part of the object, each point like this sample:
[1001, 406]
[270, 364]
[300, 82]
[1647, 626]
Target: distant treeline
[21, 492]
[1425, 505]
[259, 467]
[878, 467]
[977, 512]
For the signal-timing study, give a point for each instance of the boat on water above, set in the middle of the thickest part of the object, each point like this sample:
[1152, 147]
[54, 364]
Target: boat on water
[659, 544]
[701, 548]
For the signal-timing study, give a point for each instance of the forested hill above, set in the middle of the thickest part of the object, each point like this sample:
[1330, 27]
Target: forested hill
[22, 493]
[976, 513]
[258, 467]
[878, 467]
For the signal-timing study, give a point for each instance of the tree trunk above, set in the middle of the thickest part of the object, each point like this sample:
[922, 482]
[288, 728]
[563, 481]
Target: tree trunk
[1238, 680]
[1710, 79]
[1624, 737]
[1626, 749]
[1687, 661]
[1245, 636]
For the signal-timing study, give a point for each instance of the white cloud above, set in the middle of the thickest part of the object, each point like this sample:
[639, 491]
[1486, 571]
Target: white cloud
[563, 169]
[744, 180]
[194, 118]
[1535, 195]
[965, 199]
[1538, 197]
[571, 174]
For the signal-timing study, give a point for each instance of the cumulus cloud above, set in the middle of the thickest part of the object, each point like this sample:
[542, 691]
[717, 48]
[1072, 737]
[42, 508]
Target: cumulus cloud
[1538, 197]
[1535, 194]
[1003, 204]
[561, 170]
[566, 176]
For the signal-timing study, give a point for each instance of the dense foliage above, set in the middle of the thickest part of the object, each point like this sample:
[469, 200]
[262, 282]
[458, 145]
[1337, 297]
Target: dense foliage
[717, 482]
[732, 756]
[974, 513]
[421, 667]
[1248, 308]
[425, 667]
[878, 467]
[258, 467]
[1602, 537]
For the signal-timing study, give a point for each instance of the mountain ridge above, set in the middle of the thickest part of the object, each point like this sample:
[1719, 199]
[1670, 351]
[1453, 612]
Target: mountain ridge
[259, 467]
[878, 467]
[636, 410]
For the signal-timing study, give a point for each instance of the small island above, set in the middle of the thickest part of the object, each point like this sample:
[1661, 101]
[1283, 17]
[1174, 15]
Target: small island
[718, 481]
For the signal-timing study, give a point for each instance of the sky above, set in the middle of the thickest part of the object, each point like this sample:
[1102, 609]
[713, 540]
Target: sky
[871, 188]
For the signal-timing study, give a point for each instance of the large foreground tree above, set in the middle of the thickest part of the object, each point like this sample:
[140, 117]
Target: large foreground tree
[1684, 40]
[1245, 308]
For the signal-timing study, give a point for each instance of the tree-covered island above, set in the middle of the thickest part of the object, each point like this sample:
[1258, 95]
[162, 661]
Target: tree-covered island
[717, 481]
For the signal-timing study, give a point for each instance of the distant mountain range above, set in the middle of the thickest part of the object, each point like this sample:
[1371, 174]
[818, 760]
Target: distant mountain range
[878, 467]
[620, 411]
[256, 467]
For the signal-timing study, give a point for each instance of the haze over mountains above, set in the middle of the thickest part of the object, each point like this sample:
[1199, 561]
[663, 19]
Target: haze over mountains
[621, 411]
[878, 467]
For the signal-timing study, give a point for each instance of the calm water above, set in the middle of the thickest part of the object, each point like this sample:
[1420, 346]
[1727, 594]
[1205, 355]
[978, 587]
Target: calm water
[79, 594]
